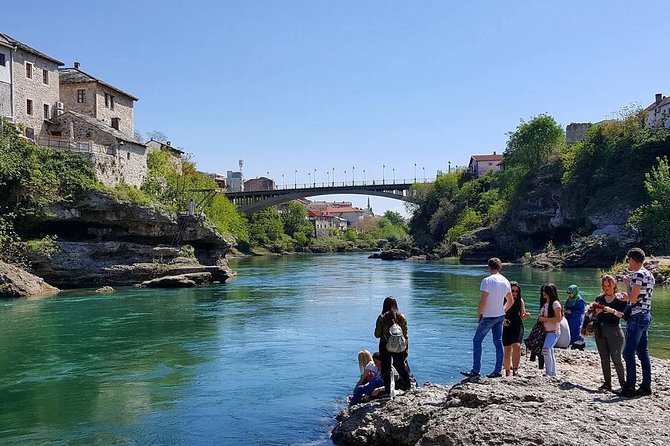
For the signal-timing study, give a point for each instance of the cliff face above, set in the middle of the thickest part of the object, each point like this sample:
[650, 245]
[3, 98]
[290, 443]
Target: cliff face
[105, 242]
[524, 410]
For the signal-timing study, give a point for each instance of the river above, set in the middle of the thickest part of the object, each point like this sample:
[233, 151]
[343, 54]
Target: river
[267, 358]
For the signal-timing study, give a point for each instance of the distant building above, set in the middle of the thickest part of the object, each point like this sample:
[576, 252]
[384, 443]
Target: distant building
[343, 210]
[174, 152]
[218, 178]
[29, 93]
[481, 164]
[658, 113]
[88, 95]
[234, 181]
[576, 131]
[324, 223]
[258, 184]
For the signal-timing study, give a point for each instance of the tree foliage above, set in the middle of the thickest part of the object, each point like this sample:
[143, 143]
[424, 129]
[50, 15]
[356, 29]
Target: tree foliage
[534, 143]
[653, 219]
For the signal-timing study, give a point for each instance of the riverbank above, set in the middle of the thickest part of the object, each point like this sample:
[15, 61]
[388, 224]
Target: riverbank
[525, 410]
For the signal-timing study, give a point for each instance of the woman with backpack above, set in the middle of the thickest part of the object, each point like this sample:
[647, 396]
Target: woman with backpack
[391, 341]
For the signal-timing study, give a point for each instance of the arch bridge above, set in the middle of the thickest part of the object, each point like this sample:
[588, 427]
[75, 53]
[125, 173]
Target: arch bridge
[249, 202]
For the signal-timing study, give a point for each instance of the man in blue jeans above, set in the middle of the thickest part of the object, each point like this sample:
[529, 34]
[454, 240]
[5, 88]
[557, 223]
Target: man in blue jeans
[495, 300]
[640, 284]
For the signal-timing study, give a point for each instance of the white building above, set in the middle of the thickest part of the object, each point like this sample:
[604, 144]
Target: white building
[658, 113]
[481, 164]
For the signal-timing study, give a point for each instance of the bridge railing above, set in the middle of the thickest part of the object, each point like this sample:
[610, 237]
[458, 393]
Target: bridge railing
[323, 184]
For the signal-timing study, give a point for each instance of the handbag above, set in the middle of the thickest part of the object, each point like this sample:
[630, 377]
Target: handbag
[535, 338]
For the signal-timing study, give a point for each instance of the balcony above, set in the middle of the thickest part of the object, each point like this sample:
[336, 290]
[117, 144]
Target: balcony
[75, 145]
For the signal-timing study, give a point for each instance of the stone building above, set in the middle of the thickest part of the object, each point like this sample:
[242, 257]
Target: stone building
[116, 156]
[260, 183]
[88, 95]
[576, 131]
[29, 92]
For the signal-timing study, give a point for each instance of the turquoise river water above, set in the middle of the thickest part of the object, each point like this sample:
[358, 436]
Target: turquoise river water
[267, 358]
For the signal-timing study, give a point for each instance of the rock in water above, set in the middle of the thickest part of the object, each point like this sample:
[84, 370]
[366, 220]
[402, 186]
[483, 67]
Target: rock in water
[16, 282]
[528, 409]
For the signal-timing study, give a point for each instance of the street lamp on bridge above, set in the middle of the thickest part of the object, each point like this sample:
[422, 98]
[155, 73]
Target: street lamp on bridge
[364, 177]
[415, 172]
[353, 175]
[344, 183]
[283, 183]
[333, 177]
[295, 179]
[383, 169]
[424, 173]
[394, 175]
[309, 178]
[314, 178]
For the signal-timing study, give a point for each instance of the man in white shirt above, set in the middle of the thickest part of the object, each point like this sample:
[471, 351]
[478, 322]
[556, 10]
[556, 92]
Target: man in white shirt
[495, 300]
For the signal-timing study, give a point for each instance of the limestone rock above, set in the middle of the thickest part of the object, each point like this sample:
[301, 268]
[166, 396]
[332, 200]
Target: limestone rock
[16, 282]
[105, 290]
[528, 409]
[180, 281]
[394, 254]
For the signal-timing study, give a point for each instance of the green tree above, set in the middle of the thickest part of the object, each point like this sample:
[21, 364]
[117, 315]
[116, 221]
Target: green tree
[294, 219]
[394, 218]
[653, 219]
[534, 143]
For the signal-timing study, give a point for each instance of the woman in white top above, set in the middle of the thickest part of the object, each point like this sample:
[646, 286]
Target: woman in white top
[551, 314]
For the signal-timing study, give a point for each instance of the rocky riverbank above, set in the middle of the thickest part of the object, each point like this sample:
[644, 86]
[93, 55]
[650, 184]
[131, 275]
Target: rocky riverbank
[524, 410]
[105, 242]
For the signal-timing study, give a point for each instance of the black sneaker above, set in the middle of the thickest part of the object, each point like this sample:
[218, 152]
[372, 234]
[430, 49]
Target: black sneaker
[470, 374]
[627, 392]
[494, 375]
[643, 391]
[605, 386]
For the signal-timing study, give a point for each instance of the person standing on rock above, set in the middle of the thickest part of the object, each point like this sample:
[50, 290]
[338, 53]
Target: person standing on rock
[513, 330]
[640, 284]
[575, 306]
[607, 331]
[389, 316]
[551, 314]
[494, 302]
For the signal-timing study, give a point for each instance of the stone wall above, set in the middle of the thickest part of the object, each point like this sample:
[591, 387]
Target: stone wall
[68, 95]
[123, 109]
[5, 99]
[34, 89]
[576, 131]
[122, 162]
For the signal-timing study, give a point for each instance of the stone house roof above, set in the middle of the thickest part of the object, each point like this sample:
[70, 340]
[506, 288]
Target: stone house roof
[13, 43]
[73, 75]
[660, 103]
[487, 157]
[103, 127]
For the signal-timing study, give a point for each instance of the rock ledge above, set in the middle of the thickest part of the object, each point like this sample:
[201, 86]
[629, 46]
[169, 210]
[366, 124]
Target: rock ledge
[525, 410]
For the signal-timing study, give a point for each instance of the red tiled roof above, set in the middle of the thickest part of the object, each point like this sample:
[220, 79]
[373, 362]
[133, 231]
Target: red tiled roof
[487, 157]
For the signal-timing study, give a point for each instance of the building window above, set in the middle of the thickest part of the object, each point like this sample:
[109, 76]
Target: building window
[115, 123]
[46, 111]
[45, 77]
[109, 101]
[2, 59]
[81, 96]
[30, 132]
[29, 70]
[29, 107]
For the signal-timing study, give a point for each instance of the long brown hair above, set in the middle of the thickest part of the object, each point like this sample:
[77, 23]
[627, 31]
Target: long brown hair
[390, 310]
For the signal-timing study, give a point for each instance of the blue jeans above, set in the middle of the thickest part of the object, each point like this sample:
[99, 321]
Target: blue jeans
[637, 328]
[550, 340]
[366, 389]
[495, 326]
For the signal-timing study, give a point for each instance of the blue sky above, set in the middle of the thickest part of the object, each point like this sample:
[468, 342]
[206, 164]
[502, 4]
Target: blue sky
[306, 85]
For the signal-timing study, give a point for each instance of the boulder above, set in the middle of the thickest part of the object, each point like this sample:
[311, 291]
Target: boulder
[180, 281]
[525, 410]
[105, 290]
[16, 282]
[394, 254]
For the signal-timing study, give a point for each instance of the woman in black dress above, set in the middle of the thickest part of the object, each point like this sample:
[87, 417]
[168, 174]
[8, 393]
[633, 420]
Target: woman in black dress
[513, 330]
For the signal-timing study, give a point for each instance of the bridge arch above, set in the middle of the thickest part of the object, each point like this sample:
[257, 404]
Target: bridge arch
[249, 202]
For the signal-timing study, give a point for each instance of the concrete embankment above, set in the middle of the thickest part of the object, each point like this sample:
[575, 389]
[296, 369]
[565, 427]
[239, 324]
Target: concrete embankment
[528, 409]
